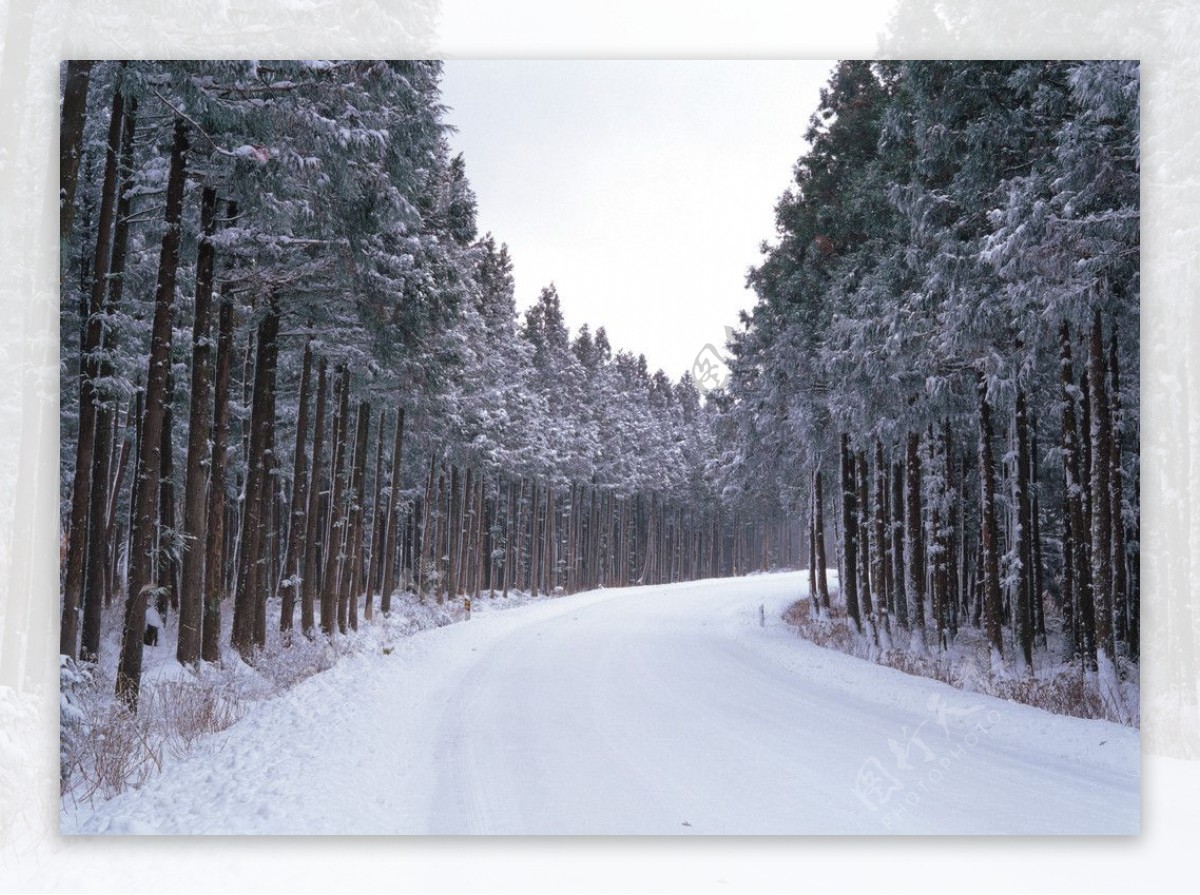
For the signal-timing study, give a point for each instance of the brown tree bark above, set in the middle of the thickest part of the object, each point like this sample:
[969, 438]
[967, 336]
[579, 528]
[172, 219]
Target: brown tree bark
[988, 535]
[336, 514]
[423, 564]
[1101, 499]
[813, 600]
[440, 547]
[899, 563]
[168, 526]
[866, 544]
[508, 535]
[550, 551]
[879, 558]
[297, 530]
[310, 584]
[191, 597]
[1087, 608]
[392, 517]
[1023, 611]
[122, 449]
[98, 577]
[251, 553]
[375, 566]
[1077, 599]
[74, 111]
[849, 535]
[534, 541]
[214, 552]
[1116, 474]
[352, 586]
[77, 527]
[141, 577]
[454, 533]
[954, 502]
[914, 565]
[480, 547]
[1036, 577]
[819, 535]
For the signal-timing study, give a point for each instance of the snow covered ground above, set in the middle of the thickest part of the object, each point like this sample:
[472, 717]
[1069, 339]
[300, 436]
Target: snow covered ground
[655, 710]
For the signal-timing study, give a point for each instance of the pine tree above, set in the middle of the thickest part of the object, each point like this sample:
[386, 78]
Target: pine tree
[142, 583]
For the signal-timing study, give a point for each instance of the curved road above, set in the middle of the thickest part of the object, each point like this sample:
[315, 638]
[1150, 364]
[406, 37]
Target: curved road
[657, 710]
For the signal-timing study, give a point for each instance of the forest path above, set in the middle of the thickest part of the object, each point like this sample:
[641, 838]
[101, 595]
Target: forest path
[652, 710]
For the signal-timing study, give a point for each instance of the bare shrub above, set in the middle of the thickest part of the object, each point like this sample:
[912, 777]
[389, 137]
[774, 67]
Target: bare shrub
[918, 666]
[1067, 693]
[115, 749]
[288, 662]
[182, 711]
[832, 632]
[1063, 690]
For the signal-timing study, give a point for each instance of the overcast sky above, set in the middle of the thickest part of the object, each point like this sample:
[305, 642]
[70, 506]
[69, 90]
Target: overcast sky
[642, 189]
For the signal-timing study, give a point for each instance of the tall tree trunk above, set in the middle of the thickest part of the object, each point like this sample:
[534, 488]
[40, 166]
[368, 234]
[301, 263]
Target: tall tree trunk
[509, 531]
[214, 552]
[375, 567]
[572, 527]
[867, 546]
[454, 533]
[141, 576]
[168, 537]
[346, 582]
[77, 527]
[272, 500]
[336, 514]
[466, 534]
[1116, 513]
[74, 111]
[534, 540]
[191, 598]
[423, 565]
[353, 586]
[297, 533]
[310, 584]
[1076, 603]
[849, 535]
[98, 581]
[113, 535]
[1035, 511]
[819, 535]
[1102, 523]
[118, 468]
[392, 518]
[914, 566]
[550, 554]
[251, 553]
[139, 416]
[813, 599]
[954, 511]
[1087, 610]
[936, 537]
[899, 579]
[480, 549]
[651, 532]
[438, 549]
[987, 531]
[1023, 614]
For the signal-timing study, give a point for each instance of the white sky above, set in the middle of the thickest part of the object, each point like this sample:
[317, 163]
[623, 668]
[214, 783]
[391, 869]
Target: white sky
[642, 189]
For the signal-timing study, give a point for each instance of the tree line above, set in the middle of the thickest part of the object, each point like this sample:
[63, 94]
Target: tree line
[945, 348]
[296, 383]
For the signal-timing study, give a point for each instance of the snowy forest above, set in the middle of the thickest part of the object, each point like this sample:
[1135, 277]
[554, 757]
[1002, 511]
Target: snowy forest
[296, 387]
[944, 359]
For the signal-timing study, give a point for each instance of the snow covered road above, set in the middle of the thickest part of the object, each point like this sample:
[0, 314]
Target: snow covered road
[656, 710]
